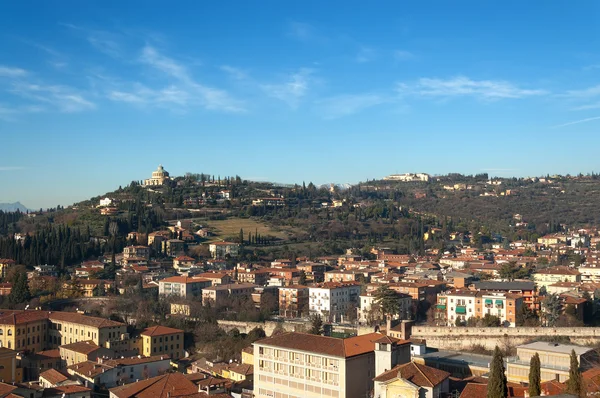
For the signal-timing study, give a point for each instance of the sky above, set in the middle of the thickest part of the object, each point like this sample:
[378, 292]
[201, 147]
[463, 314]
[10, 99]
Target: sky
[95, 94]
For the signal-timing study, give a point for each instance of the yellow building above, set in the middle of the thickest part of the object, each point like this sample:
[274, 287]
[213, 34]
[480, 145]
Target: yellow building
[34, 331]
[159, 177]
[412, 380]
[82, 351]
[8, 367]
[5, 264]
[248, 355]
[162, 340]
[180, 309]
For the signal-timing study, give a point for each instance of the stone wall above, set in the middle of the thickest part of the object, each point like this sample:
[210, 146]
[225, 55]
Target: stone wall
[268, 326]
[457, 338]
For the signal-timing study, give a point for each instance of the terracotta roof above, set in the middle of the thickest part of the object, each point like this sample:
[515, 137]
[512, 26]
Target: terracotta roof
[473, 390]
[53, 376]
[66, 390]
[20, 317]
[331, 346]
[81, 347]
[558, 271]
[171, 385]
[184, 279]
[6, 389]
[160, 331]
[421, 375]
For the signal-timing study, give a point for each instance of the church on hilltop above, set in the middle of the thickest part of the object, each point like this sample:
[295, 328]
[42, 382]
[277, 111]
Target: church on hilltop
[159, 177]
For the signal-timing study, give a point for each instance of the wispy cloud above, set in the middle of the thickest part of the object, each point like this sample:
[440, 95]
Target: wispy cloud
[105, 42]
[365, 54]
[64, 98]
[347, 104]
[462, 86]
[11, 168]
[11, 72]
[293, 88]
[182, 92]
[403, 55]
[301, 31]
[234, 72]
[589, 119]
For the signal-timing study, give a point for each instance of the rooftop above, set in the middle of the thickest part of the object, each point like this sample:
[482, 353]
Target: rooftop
[541, 346]
[160, 331]
[421, 375]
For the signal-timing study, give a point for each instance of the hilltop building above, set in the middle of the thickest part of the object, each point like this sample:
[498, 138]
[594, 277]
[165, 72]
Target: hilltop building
[159, 177]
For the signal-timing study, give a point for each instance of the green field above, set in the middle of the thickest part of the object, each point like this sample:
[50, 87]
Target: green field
[232, 226]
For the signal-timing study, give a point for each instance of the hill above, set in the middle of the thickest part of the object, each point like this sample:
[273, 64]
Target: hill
[8, 207]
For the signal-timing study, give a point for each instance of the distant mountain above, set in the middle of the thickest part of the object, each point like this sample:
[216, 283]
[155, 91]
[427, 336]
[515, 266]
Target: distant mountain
[341, 187]
[13, 207]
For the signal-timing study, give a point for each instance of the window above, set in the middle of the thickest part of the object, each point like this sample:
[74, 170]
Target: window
[9, 332]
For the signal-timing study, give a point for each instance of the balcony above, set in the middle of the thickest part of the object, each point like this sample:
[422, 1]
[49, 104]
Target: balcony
[461, 309]
[441, 306]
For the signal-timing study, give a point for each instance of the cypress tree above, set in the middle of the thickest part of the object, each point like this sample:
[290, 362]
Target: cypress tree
[574, 384]
[497, 387]
[535, 378]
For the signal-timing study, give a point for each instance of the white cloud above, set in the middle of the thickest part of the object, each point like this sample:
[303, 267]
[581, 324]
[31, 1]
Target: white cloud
[65, 99]
[103, 41]
[301, 31]
[235, 73]
[7, 71]
[347, 104]
[464, 86]
[291, 91]
[589, 119]
[365, 54]
[185, 90]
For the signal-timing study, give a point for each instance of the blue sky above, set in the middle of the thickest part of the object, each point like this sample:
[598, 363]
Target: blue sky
[95, 94]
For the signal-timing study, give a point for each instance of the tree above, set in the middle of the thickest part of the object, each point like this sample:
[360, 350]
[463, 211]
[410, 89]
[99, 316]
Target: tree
[20, 291]
[497, 386]
[535, 377]
[387, 301]
[302, 278]
[552, 308]
[575, 382]
[526, 317]
[316, 325]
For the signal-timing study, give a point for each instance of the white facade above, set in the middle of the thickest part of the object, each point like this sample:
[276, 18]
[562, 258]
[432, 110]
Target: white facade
[334, 301]
[367, 301]
[222, 249]
[106, 202]
[408, 177]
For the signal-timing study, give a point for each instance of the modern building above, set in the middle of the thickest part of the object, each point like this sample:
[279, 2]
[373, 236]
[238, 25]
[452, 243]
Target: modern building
[464, 304]
[159, 177]
[298, 365]
[218, 295]
[293, 301]
[367, 311]
[183, 286]
[527, 289]
[223, 249]
[554, 359]
[162, 340]
[334, 301]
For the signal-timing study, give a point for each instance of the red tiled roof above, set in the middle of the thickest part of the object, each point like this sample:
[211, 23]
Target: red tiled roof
[160, 331]
[421, 375]
[53, 376]
[171, 385]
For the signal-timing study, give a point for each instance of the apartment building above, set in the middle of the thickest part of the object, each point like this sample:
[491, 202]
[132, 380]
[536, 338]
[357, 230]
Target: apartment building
[294, 365]
[527, 289]
[465, 304]
[183, 263]
[589, 273]
[223, 249]
[183, 286]
[334, 301]
[82, 351]
[554, 359]
[293, 301]
[162, 340]
[218, 295]
[113, 372]
[367, 314]
[548, 276]
[136, 252]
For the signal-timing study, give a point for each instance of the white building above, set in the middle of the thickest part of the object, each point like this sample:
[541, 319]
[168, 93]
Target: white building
[366, 304]
[223, 249]
[297, 365]
[334, 301]
[408, 177]
[105, 202]
[159, 177]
